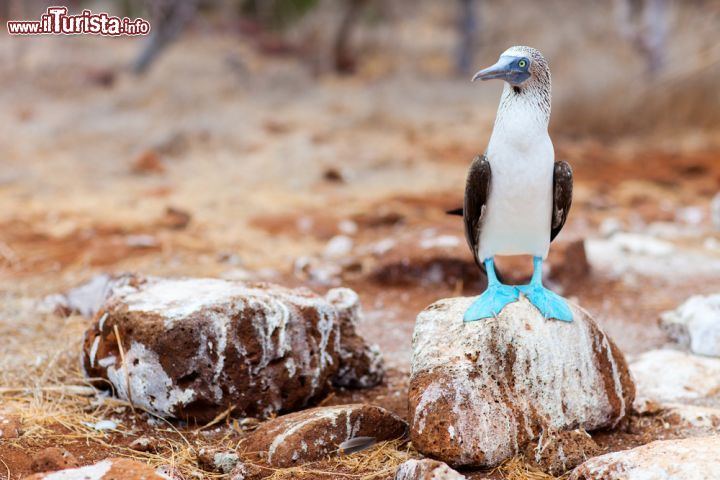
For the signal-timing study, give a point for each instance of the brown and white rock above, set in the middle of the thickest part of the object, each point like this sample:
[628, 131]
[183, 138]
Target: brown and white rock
[426, 469]
[194, 347]
[686, 459]
[109, 469]
[670, 376]
[313, 434]
[144, 444]
[481, 391]
[360, 364]
[51, 459]
[217, 459]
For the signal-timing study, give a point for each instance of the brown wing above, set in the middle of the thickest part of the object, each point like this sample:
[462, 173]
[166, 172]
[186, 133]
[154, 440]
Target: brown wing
[562, 197]
[477, 191]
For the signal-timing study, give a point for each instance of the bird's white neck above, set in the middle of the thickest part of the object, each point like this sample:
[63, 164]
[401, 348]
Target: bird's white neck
[523, 110]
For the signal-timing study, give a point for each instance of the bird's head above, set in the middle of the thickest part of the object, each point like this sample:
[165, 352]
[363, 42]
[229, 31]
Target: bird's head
[519, 67]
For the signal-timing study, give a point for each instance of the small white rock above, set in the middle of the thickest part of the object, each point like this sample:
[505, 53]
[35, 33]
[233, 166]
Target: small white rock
[641, 244]
[141, 241]
[610, 226]
[348, 227]
[711, 243]
[383, 246]
[339, 246]
[696, 324]
[225, 461]
[690, 215]
[715, 211]
[663, 376]
[442, 241]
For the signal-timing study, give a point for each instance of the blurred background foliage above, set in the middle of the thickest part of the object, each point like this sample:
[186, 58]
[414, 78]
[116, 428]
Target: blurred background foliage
[625, 64]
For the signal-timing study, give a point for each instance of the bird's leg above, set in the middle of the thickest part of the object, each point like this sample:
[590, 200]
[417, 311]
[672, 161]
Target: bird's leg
[491, 302]
[550, 304]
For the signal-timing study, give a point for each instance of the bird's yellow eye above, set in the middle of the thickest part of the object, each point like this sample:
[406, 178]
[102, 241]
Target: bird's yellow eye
[522, 63]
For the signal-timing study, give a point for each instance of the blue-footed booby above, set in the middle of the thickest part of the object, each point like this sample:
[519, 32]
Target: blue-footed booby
[517, 197]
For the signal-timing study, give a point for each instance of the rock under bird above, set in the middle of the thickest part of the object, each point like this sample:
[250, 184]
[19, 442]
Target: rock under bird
[517, 197]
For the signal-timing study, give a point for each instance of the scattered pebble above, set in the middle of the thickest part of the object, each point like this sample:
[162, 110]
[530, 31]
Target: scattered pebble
[348, 227]
[610, 226]
[148, 162]
[247, 471]
[305, 224]
[221, 461]
[141, 241]
[711, 243]
[317, 271]
[442, 241]
[715, 211]
[333, 174]
[338, 247]
[175, 218]
[690, 215]
[383, 246]
[143, 444]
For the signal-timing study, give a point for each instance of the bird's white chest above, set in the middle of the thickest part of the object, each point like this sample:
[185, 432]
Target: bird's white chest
[519, 209]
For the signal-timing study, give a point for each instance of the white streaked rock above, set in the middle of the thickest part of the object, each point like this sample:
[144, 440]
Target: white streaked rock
[480, 391]
[313, 434]
[196, 346]
[108, 469]
[687, 459]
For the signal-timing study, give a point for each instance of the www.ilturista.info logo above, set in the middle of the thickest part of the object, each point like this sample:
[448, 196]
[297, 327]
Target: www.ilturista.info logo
[56, 21]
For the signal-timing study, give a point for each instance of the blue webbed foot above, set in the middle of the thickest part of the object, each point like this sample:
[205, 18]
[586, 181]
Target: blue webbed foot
[550, 304]
[491, 302]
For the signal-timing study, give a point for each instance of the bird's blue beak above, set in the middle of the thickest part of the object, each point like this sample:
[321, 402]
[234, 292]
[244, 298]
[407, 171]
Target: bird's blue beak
[507, 68]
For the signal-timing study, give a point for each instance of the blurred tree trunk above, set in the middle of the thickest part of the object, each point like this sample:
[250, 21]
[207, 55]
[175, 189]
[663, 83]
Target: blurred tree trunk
[468, 26]
[344, 59]
[645, 23]
[168, 18]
